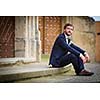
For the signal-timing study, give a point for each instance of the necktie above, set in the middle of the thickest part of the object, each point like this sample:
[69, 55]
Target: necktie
[68, 40]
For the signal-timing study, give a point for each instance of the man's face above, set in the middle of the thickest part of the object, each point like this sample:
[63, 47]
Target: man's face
[69, 30]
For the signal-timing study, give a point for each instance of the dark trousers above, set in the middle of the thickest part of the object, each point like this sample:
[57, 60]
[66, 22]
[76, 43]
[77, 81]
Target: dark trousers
[71, 58]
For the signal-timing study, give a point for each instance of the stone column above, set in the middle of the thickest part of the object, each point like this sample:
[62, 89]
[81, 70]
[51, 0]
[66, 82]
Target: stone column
[63, 22]
[38, 41]
[25, 39]
[69, 19]
[30, 38]
[20, 41]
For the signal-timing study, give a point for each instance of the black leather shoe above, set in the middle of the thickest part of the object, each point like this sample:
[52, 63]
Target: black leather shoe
[85, 73]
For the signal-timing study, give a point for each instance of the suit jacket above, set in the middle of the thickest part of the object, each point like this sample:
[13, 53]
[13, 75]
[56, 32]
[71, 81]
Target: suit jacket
[60, 48]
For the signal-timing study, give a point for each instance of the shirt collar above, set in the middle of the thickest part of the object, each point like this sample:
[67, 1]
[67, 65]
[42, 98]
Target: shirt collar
[66, 36]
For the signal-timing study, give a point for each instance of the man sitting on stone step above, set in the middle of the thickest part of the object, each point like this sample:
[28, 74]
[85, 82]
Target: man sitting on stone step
[64, 52]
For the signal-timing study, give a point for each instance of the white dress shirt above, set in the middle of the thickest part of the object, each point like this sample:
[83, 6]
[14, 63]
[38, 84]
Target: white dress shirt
[67, 37]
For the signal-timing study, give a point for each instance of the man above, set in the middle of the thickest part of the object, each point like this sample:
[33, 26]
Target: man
[65, 52]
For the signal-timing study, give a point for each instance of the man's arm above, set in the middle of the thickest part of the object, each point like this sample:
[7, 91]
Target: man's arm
[84, 53]
[60, 41]
[77, 48]
[65, 46]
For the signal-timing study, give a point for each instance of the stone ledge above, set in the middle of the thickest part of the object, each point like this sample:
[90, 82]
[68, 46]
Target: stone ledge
[15, 61]
[17, 73]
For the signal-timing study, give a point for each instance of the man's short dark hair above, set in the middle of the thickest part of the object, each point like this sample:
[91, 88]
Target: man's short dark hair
[68, 24]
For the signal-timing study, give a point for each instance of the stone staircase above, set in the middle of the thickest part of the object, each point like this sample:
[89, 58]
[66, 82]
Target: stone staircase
[33, 70]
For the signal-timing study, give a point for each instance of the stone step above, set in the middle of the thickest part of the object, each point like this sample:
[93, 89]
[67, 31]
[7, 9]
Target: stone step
[9, 74]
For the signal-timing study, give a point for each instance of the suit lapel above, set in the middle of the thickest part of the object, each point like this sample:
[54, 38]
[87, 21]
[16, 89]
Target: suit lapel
[64, 37]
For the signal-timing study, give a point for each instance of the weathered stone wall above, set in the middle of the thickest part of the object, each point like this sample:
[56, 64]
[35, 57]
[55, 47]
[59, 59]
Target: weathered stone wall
[97, 27]
[84, 32]
[27, 41]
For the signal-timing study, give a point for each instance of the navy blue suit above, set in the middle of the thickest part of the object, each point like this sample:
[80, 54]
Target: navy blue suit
[60, 56]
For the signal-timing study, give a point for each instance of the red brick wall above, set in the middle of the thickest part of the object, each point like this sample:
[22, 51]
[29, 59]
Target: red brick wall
[7, 33]
[50, 27]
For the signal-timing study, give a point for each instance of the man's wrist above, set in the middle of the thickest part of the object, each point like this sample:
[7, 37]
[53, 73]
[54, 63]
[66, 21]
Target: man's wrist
[85, 53]
[80, 55]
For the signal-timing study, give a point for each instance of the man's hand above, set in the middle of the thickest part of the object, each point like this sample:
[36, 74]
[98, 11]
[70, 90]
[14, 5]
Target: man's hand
[83, 58]
[87, 57]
